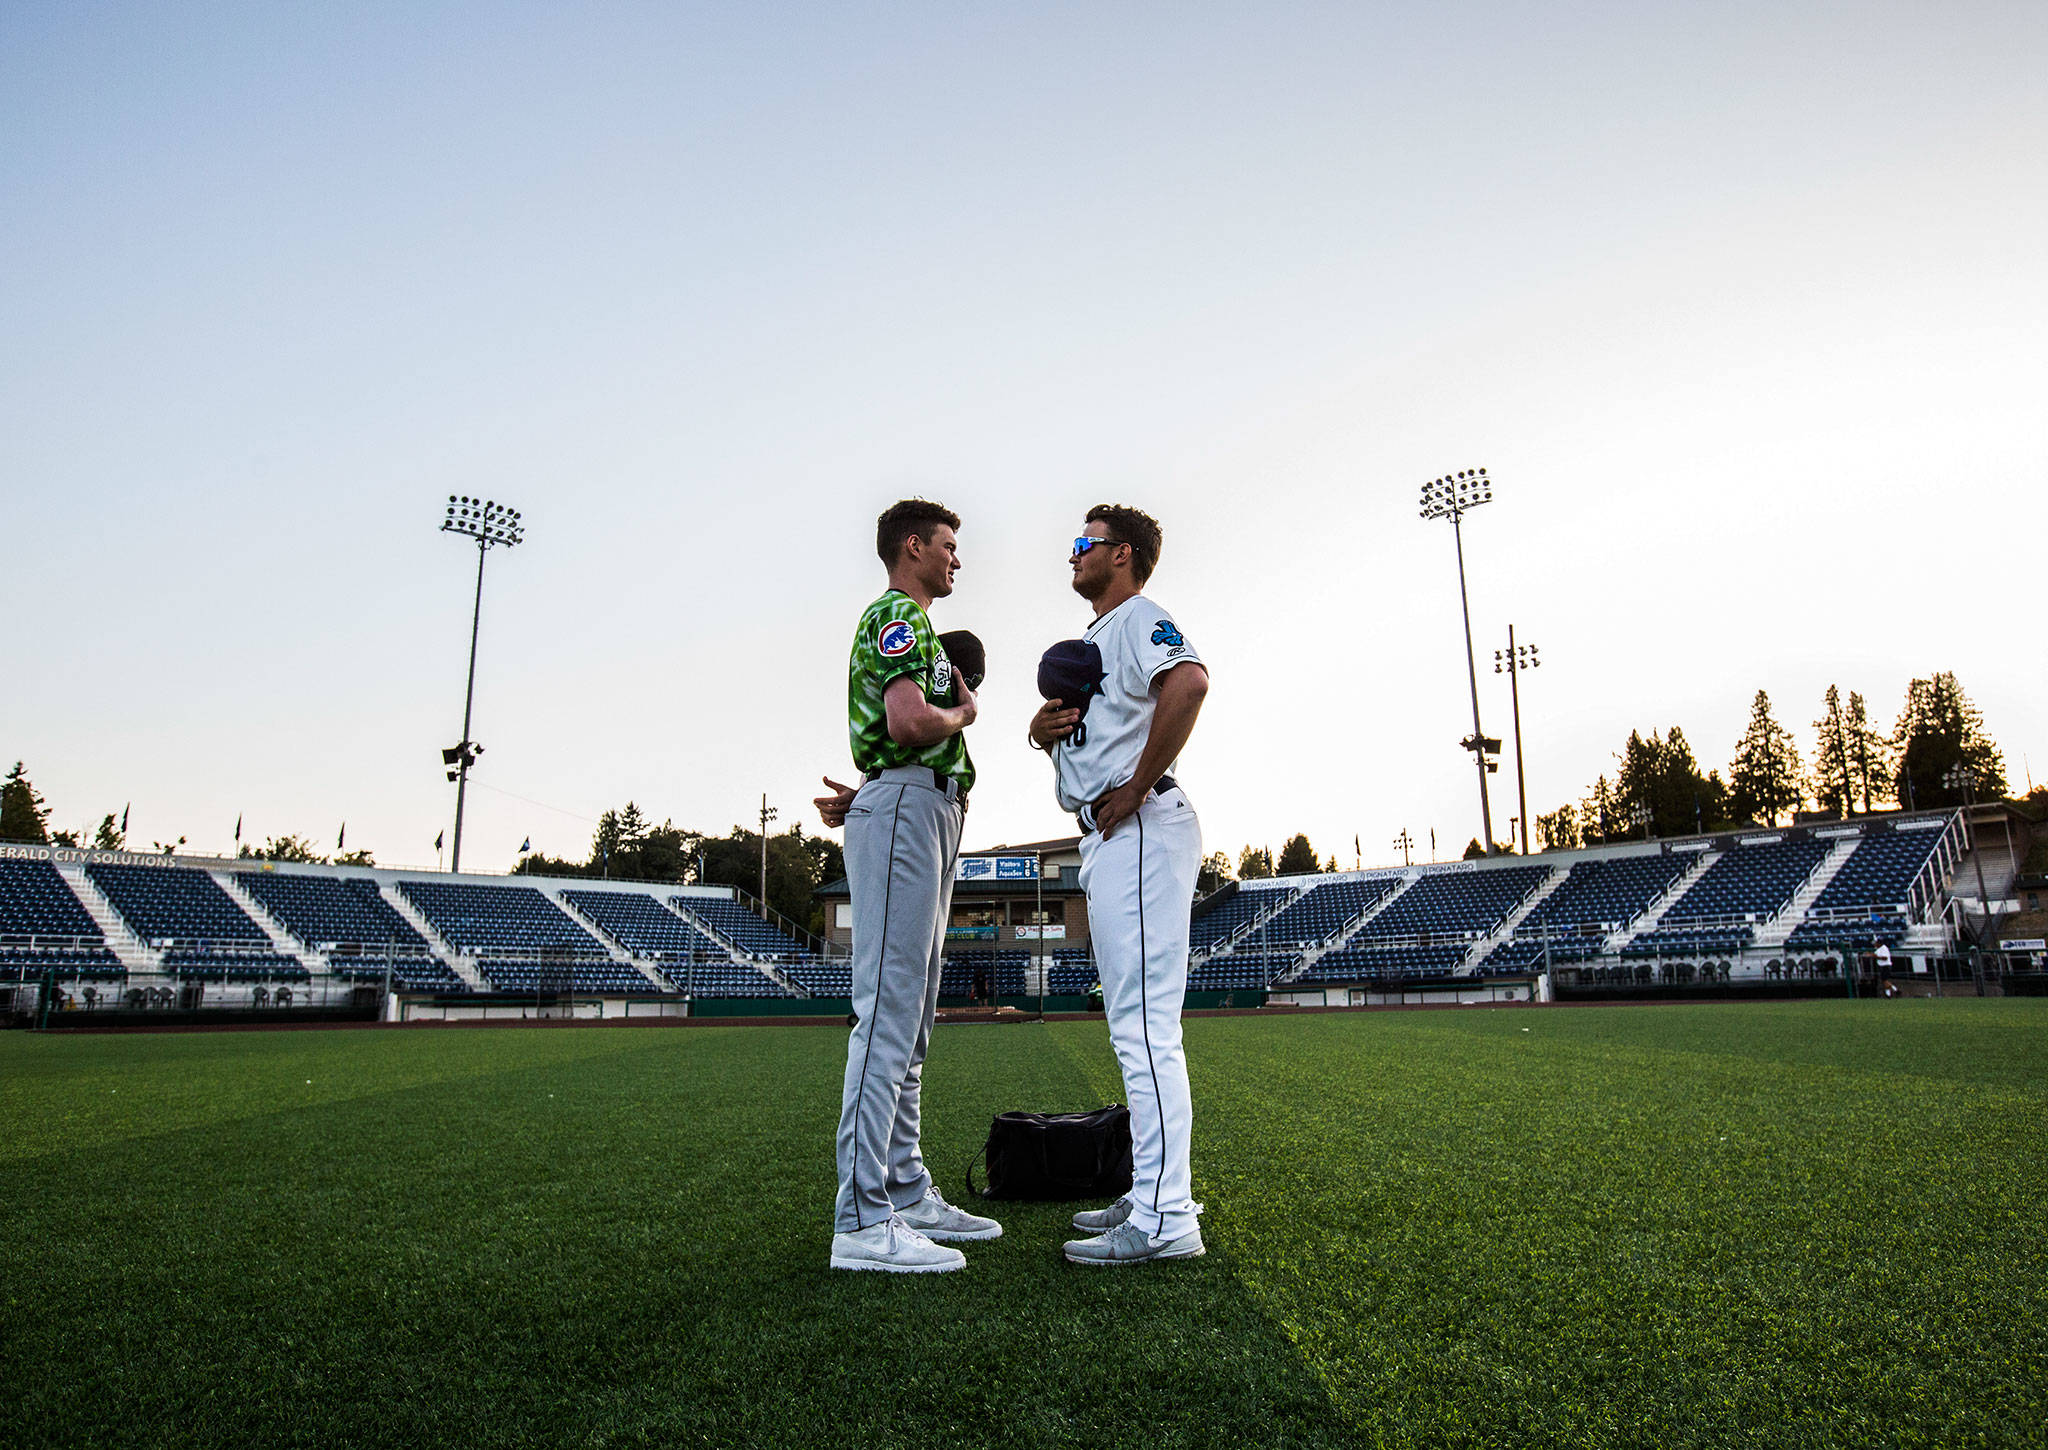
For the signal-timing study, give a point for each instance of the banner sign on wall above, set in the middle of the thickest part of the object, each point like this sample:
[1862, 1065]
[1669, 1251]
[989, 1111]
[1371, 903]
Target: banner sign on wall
[996, 868]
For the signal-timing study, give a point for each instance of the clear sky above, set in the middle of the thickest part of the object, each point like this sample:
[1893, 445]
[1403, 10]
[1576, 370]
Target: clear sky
[1741, 305]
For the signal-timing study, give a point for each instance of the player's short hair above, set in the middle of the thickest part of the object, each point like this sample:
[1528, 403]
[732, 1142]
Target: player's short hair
[900, 520]
[1136, 528]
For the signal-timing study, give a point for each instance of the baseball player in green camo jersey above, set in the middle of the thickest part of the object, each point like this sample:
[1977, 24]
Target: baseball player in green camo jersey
[906, 711]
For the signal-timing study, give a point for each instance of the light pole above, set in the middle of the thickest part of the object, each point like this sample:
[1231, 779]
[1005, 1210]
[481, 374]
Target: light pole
[1639, 815]
[1448, 498]
[1406, 843]
[768, 813]
[1513, 661]
[488, 523]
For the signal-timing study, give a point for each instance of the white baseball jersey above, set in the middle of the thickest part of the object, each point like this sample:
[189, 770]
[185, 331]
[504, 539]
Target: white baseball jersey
[1139, 642]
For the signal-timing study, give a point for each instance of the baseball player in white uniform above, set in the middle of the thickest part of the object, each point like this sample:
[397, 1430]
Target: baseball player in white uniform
[1113, 745]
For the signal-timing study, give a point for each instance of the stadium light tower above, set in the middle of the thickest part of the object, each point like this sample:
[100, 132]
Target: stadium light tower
[1448, 498]
[488, 523]
[1513, 661]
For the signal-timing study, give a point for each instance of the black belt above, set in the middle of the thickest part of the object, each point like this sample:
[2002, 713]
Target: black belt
[1083, 817]
[946, 785]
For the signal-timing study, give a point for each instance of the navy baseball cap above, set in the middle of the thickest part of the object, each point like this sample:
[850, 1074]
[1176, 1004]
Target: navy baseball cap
[1071, 672]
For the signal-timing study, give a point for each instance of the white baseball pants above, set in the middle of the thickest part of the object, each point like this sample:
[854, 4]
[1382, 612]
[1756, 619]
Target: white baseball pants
[1141, 885]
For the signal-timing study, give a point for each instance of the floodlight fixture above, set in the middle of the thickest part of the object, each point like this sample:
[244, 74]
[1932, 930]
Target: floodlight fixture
[1448, 498]
[489, 523]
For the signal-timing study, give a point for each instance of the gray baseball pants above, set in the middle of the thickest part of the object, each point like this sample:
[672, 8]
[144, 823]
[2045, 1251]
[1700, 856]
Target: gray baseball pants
[902, 839]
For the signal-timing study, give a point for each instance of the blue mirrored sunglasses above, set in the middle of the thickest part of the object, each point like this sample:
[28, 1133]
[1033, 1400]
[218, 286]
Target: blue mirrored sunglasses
[1088, 541]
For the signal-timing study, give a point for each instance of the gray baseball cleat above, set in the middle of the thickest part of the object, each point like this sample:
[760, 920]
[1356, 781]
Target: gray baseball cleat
[893, 1247]
[1129, 1244]
[1100, 1220]
[937, 1219]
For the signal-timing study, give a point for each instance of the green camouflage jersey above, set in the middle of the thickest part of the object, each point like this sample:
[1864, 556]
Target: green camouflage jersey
[896, 638]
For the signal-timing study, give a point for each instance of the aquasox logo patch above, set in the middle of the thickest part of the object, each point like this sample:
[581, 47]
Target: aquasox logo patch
[1165, 633]
[897, 639]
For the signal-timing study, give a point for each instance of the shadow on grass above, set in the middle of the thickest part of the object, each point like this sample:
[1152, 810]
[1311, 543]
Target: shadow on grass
[624, 1248]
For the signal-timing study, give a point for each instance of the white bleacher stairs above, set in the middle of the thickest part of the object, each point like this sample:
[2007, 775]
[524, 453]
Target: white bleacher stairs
[733, 951]
[613, 948]
[281, 941]
[1654, 912]
[463, 967]
[1515, 918]
[123, 943]
[1771, 935]
[1323, 948]
[737, 955]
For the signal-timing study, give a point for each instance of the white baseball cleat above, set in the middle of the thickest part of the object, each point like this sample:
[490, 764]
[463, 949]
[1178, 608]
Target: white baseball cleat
[1129, 1244]
[1101, 1220]
[893, 1247]
[937, 1219]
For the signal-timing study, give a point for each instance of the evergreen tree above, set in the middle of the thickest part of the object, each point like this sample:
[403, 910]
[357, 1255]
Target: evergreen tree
[1938, 730]
[23, 816]
[1833, 781]
[1765, 773]
[109, 836]
[1599, 815]
[1214, 873]
[1870, 754]
[1559, 829]
[1254, 863]
[1297, 857]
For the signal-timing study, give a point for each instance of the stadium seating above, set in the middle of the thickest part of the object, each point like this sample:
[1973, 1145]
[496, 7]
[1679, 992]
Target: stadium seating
[564, 974]
[83, 964]
[1880, 872]
[822, 979]
[1728, 939]
[44, 929]
[1609, 893]
[1326, 908]
[720, 976]
[1070, 972]
[176, 904]
[1224, 912]
[497, 920]
[1005, 969]
[1457, 903]
[323, 910]
[644, 927]
[1748, 883]
[36, 902]
[735, 924]
[412, 973]
[1522, 954]
[1233, 971]
[211, 965]
[1355, 962]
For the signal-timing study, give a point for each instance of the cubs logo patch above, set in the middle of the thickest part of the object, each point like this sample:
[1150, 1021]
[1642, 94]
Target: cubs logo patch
[1167, 634]
[897, 639]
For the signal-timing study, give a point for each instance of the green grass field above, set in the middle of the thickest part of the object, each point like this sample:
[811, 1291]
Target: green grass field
[1797, 1224]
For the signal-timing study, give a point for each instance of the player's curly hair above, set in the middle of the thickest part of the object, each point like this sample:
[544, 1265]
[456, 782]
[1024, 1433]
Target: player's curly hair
[1136, 528]
[900, 520]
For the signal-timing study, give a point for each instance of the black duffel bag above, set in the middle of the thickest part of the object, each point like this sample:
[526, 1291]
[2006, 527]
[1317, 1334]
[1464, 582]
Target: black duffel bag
[1057, 1155]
